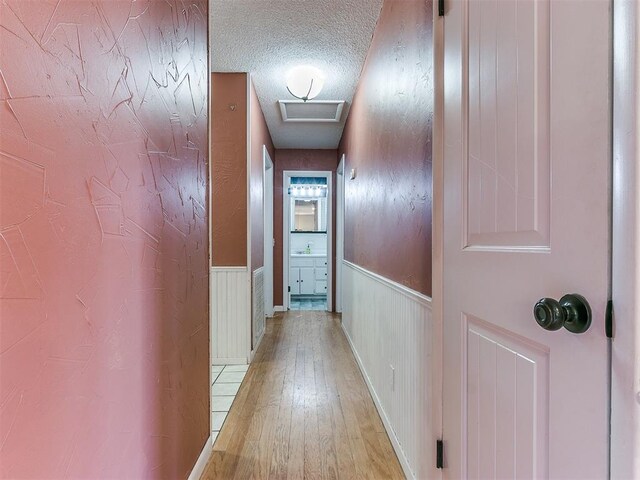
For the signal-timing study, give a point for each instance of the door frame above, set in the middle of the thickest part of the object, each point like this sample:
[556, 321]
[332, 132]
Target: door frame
[286, 231]
[625, 243]
[339, 230]
[437, 227]
[267, 209]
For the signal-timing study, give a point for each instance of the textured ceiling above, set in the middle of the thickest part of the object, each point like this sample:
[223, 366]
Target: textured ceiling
[269, 37]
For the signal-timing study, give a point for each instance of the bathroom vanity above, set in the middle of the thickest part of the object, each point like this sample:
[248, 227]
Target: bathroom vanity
[308, 274]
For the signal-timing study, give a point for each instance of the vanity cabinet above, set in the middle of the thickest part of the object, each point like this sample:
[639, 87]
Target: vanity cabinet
[321, 280]
[308, 276]
[321, 287]
[321, 275]
[301, 280]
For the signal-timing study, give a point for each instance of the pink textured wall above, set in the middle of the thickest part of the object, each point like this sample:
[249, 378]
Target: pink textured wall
[387, 138]
[293, 159]
[103, 238]
[259, 136]
[229, 169]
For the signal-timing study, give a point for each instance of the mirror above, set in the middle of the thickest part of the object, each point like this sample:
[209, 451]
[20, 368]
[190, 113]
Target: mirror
[309, 214]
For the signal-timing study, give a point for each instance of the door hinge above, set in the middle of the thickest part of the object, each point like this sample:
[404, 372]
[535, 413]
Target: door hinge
[441, 8]
[289, 287]
[608, 319]
[439, 454]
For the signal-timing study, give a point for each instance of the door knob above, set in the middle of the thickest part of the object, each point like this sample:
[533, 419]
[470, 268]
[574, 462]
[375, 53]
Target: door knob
[571, 312]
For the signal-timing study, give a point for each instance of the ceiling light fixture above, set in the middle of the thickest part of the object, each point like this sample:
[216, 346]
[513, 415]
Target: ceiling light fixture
[305, 82]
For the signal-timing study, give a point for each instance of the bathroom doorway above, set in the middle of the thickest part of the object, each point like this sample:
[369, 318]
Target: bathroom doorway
[307, 253]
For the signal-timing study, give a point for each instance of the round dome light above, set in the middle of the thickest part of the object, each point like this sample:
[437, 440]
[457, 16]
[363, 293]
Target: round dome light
[305, 82]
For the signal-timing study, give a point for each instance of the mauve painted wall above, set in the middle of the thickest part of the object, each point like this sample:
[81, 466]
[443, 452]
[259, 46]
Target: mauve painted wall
[229, 169]
[388, 140]
[104, 336]
[293, 159]
[259, 136]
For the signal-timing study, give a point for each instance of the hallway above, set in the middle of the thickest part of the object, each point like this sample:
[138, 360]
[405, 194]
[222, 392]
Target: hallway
[303, 410]
[458, 180]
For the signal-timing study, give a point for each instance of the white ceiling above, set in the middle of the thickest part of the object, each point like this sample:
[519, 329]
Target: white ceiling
[269, 37]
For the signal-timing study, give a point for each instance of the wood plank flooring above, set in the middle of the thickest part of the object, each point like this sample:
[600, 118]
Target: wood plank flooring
[303, 410]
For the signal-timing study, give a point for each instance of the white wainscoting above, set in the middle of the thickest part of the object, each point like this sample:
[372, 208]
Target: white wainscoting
[258, 307]
[390, 326]
[230, 315]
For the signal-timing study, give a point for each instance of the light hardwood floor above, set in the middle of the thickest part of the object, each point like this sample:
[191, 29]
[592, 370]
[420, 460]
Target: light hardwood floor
[303, 410]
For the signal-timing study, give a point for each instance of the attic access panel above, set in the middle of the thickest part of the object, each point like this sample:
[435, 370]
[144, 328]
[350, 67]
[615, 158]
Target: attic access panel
[320, 111]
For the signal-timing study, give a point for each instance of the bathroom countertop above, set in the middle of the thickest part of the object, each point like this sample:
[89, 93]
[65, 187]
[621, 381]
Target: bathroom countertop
[312, 255]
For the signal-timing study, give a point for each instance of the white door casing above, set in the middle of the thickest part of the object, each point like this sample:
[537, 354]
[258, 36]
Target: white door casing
[526, 176]
[286, 231]
[339, 231]
[625, 245]
[268, 231]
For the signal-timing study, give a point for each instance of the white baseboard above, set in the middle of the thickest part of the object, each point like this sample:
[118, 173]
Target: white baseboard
[201, 463]
[253, 352]
[278, 308]
[385, 420]
[229, 361]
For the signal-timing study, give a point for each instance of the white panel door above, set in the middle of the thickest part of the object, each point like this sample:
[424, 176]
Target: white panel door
[307, 281]
[526, 175]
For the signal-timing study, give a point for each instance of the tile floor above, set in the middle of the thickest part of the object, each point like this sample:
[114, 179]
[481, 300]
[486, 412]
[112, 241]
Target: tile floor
[308, 303]
[226, 383]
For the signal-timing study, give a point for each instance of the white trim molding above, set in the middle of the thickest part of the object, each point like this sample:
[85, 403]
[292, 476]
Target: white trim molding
[340, 185]
[255, 350]
[201, 462]
[313, 116]
[437, 222]
[625, 243]
[398, 287]
[390, 328]
[286, 231]
[268, 177]
[229, 269]
[278, 308]
[248, 181]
